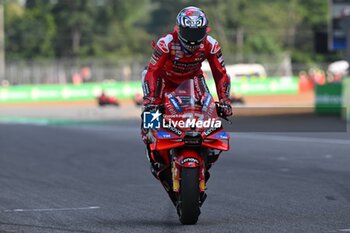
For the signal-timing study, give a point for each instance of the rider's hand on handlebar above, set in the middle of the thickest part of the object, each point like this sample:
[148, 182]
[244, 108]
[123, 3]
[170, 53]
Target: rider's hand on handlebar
[150, 104]
[224, 108]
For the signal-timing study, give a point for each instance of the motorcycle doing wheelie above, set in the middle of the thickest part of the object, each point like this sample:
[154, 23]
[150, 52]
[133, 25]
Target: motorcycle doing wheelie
[184, 138]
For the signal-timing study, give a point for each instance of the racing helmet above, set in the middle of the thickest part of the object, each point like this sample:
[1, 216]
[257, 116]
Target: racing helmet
[192, 27]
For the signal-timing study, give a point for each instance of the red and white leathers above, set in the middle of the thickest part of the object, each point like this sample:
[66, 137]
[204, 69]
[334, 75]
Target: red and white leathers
[171, 64]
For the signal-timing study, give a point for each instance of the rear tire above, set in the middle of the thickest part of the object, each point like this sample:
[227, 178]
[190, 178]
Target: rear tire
[188, 208]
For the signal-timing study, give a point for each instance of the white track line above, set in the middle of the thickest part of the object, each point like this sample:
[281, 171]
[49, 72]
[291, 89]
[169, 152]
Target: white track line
[51, 209]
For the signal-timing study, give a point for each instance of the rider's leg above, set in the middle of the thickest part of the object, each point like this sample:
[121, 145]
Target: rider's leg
[159, 160]
[153, 165]
[163, 172]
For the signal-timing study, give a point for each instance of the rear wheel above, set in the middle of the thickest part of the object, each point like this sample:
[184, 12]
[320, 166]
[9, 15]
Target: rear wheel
[188, 208]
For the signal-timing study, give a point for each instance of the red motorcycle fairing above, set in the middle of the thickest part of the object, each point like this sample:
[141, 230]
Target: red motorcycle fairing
[218, 140]
[188, 158]
[215, 140]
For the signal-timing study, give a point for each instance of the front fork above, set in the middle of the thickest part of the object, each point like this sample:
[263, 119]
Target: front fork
[168, 168]
[188, 158]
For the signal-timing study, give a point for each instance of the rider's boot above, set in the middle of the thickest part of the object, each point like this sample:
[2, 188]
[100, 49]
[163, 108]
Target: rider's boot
[165, 178]
[154, 166]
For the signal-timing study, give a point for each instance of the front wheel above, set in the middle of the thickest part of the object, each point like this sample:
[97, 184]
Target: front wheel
[188, 208]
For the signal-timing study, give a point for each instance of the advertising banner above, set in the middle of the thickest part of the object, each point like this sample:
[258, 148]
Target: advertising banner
[261, 86]
[69, 92]
[329, 99]
[346, 99]
[127, 90]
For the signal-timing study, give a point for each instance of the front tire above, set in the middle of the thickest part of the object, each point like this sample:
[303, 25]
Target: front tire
[188, 208]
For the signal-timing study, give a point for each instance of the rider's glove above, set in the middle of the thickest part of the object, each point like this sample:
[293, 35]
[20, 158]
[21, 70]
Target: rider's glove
[150, 104]
[224, 108]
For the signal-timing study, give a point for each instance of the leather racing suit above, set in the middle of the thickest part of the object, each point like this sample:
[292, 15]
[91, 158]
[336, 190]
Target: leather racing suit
[171, 64]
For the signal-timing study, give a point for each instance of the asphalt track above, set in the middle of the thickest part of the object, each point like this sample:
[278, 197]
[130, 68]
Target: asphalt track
[95, 178]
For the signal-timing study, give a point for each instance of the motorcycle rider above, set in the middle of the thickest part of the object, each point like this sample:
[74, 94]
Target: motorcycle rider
[178, 56]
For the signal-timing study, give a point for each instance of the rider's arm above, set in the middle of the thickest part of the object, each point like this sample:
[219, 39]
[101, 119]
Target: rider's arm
[217, 65]
[158, 59]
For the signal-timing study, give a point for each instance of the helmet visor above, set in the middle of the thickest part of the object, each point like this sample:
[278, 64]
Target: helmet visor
[195, 35]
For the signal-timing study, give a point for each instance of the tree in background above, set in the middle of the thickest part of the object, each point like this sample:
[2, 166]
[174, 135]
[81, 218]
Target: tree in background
[269, 26]
[163, 16]
[254, 27]
[29, 31]
[75, 24]
[119, 29]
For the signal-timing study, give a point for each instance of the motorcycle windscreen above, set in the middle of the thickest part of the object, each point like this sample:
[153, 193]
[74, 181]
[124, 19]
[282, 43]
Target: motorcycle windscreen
[188, 105]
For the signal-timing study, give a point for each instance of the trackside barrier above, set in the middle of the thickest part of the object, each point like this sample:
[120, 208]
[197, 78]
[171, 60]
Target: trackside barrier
[346, 99]
[333, 99]
[267, 86]
[68, 92]
[127, 90]
[329, 99]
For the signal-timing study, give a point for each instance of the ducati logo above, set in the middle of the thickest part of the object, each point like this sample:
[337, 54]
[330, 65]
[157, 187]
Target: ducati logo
[163, 46]
[216, 48]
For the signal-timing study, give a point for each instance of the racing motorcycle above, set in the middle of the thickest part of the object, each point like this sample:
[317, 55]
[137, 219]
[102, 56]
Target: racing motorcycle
[182, 144]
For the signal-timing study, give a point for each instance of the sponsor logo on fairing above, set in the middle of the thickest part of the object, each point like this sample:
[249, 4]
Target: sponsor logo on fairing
[189, 160]
[175, 104]
[173, 130]
[171, 109]
[206, 103]
[209, 131]
[163, 134]
[221, 135]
